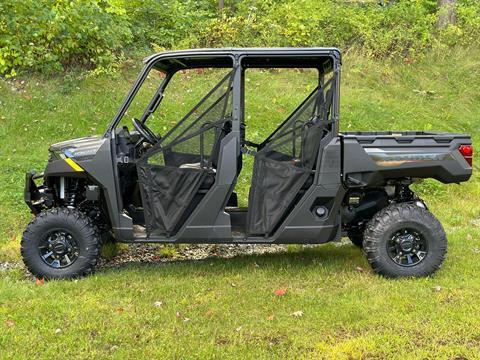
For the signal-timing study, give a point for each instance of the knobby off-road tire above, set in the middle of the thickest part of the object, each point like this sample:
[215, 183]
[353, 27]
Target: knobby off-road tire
[60, 244]
[404, 240]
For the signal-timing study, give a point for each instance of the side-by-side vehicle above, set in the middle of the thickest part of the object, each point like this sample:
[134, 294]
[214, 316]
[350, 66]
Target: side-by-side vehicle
[310, 184]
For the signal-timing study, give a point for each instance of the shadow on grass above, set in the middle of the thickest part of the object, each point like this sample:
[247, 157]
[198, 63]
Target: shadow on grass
[331, 257]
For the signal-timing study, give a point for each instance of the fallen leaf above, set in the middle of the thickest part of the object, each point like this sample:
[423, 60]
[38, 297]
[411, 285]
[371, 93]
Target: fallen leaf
[178, 314]
[157, 303]
[120, 310]
[437, 288]
[9, 323]
[298, 313]
[58, 331]
[39, 281]
[359, 269]
[233, 285]
[469, 237]
[186, 319]
[270, 317]
[238, 329]
[280, 291]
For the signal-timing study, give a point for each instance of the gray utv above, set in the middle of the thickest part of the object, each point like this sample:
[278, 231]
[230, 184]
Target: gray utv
[311, 184]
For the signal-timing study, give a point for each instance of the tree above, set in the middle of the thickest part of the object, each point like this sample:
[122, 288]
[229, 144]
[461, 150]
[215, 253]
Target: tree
[446, 13]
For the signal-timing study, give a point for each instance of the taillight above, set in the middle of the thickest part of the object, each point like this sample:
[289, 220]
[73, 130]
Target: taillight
[467, 153]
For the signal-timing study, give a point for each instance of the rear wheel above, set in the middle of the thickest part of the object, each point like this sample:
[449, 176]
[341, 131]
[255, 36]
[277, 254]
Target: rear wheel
[404, 240]
[60, 244]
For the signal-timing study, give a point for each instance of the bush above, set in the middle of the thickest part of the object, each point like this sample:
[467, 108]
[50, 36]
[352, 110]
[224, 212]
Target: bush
[49, 35]
[166, 23]
[396, 28]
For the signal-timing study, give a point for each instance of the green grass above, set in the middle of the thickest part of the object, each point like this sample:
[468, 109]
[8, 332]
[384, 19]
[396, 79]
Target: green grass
[348, 312]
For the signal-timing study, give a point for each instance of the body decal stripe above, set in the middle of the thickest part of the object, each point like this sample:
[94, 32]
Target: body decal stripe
[73, 165]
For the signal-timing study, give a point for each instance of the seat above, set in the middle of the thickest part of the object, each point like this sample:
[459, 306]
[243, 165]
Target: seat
[208, 181]
[210, 178]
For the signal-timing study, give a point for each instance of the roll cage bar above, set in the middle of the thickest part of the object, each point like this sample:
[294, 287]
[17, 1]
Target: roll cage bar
[324, 59]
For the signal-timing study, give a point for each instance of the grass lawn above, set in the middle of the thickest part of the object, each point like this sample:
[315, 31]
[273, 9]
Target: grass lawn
[334, 306]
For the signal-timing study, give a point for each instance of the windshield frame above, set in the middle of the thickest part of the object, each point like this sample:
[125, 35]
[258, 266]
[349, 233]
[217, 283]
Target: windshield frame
[156, 63]
[133, 92]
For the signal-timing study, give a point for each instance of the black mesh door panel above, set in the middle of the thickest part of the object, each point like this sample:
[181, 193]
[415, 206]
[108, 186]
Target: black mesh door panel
[285, 161]
[167, 192]
[274, 186]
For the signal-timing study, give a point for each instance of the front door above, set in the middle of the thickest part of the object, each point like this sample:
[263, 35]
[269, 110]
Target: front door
[180, 170]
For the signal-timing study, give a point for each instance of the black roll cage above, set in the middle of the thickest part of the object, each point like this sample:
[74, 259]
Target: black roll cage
[173, 61]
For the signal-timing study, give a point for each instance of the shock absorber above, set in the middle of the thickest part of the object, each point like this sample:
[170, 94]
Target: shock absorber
[71, 193]
[403, 193]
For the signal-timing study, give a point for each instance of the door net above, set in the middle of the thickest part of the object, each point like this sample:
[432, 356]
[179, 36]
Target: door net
[171, 173]
[287, 160]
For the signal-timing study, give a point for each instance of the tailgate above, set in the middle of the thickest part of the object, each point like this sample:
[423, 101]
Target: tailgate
[371, 158]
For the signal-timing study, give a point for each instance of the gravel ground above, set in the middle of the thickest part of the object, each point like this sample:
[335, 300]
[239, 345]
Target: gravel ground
[152, 253]
[4, 266]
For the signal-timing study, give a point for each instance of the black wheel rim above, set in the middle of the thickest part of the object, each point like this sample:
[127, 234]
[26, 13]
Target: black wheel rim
[59, 249]
[407, 247]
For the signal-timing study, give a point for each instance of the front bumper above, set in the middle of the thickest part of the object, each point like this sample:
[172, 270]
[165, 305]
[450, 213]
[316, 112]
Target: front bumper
[36, 196]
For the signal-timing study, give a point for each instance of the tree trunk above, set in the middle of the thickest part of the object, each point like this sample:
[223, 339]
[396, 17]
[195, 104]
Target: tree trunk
[446, 13]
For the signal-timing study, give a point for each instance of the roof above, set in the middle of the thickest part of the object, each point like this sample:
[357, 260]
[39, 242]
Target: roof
[266, 57]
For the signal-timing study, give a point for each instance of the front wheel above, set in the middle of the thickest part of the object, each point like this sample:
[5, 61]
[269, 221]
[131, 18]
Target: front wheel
[60, 244]
[405, 240]
[356, 237]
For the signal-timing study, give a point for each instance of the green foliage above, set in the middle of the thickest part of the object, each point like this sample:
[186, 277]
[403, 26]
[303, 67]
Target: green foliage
[167, 251]
[397, 28]
[466, 30]
[165, 23]
[49, 35]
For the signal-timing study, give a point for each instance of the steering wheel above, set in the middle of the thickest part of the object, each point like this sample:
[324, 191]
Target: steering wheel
[146, 133]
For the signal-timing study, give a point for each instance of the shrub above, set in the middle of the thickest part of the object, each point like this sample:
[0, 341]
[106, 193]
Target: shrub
[396, 28]
[48, 35]
[51, 34]
[166, 23]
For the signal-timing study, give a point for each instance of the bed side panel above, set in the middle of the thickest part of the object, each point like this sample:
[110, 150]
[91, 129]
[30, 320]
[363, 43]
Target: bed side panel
[371, 159]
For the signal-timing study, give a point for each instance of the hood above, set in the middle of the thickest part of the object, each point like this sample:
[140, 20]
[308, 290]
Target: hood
[82, 148]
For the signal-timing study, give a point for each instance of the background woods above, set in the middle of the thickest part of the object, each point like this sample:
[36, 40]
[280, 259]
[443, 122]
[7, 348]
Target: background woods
[50, 35]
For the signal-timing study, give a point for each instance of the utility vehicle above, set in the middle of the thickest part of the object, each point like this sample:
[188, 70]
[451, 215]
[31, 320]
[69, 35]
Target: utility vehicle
[310, 184]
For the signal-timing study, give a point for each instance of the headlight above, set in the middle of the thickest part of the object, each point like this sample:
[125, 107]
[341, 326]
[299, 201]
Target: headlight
[54, 155]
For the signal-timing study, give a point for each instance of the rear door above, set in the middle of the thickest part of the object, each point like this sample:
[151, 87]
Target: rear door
[284, 167]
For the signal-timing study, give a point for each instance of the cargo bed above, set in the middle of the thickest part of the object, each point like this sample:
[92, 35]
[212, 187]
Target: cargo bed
[372, 158]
